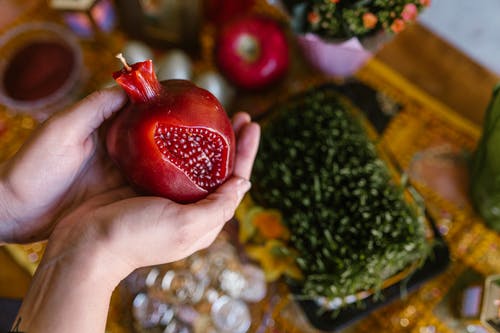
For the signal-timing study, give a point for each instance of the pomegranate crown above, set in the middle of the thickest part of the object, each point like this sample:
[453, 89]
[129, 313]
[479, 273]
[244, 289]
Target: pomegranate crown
[138, 80]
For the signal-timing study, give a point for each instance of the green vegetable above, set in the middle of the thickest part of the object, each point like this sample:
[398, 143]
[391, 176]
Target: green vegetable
[349, 222]
[485, 171]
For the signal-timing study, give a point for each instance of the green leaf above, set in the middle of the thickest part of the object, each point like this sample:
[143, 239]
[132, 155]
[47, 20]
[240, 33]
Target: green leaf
[485, 168]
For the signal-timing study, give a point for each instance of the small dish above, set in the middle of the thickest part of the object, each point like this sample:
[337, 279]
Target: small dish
[41, 68]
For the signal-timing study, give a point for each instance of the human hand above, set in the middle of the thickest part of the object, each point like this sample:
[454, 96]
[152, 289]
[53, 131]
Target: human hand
[60, 166]
[133, 231]
[111, 234]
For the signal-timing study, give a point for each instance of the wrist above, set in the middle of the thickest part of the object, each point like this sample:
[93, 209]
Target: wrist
[89, 259]
[70, 291]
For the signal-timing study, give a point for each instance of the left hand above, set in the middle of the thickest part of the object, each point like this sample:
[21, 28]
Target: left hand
[58, 168]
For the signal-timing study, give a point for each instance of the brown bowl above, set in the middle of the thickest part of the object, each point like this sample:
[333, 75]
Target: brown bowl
[41, 68]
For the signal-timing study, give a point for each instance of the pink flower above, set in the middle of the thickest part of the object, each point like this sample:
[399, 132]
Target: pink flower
[425, 3]
[410, 12]
[369, 20]
[398, 25]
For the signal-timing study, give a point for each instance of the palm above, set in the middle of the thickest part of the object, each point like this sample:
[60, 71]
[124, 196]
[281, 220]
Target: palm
[52, 200]
[125, 222]
[99, 176]
[58, 168]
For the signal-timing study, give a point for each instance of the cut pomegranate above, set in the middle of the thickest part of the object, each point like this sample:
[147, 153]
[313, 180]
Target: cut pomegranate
[197, 152]
[174, 140]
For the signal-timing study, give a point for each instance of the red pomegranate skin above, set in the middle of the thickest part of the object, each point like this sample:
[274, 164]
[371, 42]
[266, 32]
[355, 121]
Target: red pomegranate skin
[252, 52]
[177, 142]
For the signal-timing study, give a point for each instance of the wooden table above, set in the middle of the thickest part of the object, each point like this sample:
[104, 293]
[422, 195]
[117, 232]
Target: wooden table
[441, 70]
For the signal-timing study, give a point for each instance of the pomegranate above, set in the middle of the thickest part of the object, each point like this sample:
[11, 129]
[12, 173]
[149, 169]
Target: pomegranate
[173, 139]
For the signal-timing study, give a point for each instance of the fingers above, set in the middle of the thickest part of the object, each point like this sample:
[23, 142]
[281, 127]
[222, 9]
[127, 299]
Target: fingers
[87, 115]
[239, 120]
[202, 221]
[206, 240]
[219, 206]
[172, 231]
[247, 143]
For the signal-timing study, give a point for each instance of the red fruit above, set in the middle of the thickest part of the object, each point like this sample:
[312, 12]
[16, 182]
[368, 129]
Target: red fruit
[252, 52]
[174, 139]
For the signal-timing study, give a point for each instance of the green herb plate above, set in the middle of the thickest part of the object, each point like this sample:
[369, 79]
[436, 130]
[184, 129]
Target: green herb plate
[368, 109]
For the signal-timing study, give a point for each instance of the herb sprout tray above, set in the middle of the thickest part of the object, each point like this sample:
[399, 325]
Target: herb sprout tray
[372, 118]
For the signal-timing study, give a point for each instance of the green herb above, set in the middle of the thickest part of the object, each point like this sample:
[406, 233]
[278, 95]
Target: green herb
[347, 218]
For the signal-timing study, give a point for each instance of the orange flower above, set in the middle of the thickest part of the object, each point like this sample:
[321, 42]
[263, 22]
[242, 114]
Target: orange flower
[263, 232]
[276, 259]
[334, 1]
[246, 229]
[256, 222]
[313, 17]
[369, 20]
[425, 2]
[398, 25]
[270, 224]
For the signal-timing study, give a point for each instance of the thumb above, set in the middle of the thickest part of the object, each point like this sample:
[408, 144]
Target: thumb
[221, 204]
[87, 115]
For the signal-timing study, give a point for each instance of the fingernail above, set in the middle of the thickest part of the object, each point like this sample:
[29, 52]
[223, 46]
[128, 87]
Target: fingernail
[243, 186]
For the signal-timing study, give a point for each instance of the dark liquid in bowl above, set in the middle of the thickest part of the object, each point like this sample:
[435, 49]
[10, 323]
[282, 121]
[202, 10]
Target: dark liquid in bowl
[37, 70]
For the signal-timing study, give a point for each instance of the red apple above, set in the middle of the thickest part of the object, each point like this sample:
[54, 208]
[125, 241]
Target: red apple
[173, 140]
[252, 52]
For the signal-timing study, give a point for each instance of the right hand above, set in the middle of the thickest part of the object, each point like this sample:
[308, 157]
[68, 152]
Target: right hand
[128, 232]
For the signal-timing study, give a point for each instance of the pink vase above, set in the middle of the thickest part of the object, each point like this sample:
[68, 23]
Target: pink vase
[340, 59]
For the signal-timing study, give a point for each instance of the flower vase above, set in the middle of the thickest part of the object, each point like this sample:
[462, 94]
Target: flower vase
[339, 58]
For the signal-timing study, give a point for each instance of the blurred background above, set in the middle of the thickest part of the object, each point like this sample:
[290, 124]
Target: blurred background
[471, 26]
[422, 72]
